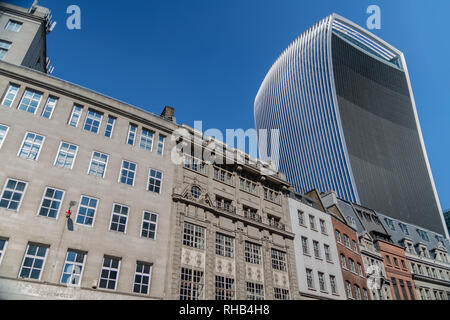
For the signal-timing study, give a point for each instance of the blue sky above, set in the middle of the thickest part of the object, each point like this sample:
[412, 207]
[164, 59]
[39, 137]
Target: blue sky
[207, 58]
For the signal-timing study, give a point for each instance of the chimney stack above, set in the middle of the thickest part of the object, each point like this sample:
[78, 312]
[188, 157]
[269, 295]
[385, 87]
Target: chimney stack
[168, 113]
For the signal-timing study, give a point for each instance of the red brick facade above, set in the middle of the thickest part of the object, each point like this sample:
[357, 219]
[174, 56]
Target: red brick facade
[352, 267]
[397, 271]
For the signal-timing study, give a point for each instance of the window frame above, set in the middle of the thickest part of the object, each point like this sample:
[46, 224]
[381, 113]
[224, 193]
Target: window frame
[93, 119]
[193, 240]
[28, 90]
[225, 245]
[98, 163]
[95, 211]
[79, 114]
[8, 90]
[110, 127]
[59, 150]
[15, 23]
[130, 132]
[23, 142]
[110, 269]
[3, 251]
[150, 177]
[120, 215]
[150, 222]
[26, 255]
[161, 144]
[251, 255]
[142, 274]
[147, 139]
[128, 170]
[83, 264]
[52, 200]
[21, 198]
[6, 134]
[46, 105]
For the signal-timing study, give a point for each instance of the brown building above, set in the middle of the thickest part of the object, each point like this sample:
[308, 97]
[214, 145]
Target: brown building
[397, 270]
[353, 273]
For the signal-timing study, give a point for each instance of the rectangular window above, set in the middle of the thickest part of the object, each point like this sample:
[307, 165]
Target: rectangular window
[349, 290]
[333, 285]
[161, 142]
[327, 253]
[338, 236]
[402, 286]
[110, 126]
[66, 155]
[223, 176]
[154, 181]
[347, 241]
[279, 260]
[3, 132]
[142, 278]
[110, 273]
[87, 210]
[12, 195]
[11, 94]
[224, 288]
[301, 217]
[355, 246]
[394, 285]
[343, 262]
[410, 289]
[322, 285]
[191, 286]
[131, 134]
[194, 236]
[149, 225]
[73, 268]
[30, 101]
[224, 245]
[147, 139]
[31, 146]
[255, 291]
[128, 172]
[75, 116]
[51, 203]
[4, 47]
[323, 226]
[49, 107]
[119, 218]
[305, 246]
[194, 164]
[316, 249]
[357, 292]
[98, 165]
[93, 121]
[14, 26]
[252, 253]
[309, 279]
[3, 244]
[312, 222]
[281, 294]
[352, 265]
[33, 262]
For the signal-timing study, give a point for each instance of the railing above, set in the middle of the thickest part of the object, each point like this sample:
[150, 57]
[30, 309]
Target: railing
[253, 216]
[225, 207]
[277, 224]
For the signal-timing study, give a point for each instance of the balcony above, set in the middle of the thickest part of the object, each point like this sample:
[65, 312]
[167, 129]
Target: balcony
[224, 206]
[253, 216]
[277, 224]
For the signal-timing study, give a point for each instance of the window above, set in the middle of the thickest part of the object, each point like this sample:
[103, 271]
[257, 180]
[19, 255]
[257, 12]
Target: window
[3, 132]
[98, 164]
[404, 228]
[30, 101]
[223, 176]
[255, 291]
[12, 194]
[224, 245]
[33, 262]
[149, 225]
[343, 262]
[31, 146]
[301, 217]
[310, 279]
[73, 268]
[49, 107]
[352, 265]
[191, 286]
[75, 116]
[394, 285]
[279, 260]
[360, 270]
[327, 253]
[224, 288]
[131, 134]
[305, 246]
[272, 195]
[403, 264]
[93, 121]
[86, 211]
[14, 26]
[338, 236]
[119, 218]
[154, 181]
[312, 222]
[357, 292]
[51, 203]
[352, 221]
[322, 285]
[410, 289]
[355, 246]
[333, 285]
[348, 286]
[147, 139]
[316, 249]
[423, 235]
[396, 262]
[127, 173]
[11, 94]
[252, 253]
[194, 236]
[66, 155]
[248, 186]
[390, 223]
[194, 164]
[4, 47]
[402, 286]
[281, 294]
[110, 273]
[347, 241]
[323, 226]
[110, 126]
[142, 278]
[161, 142]
[388, 260]
[196, 192]
[3, 243]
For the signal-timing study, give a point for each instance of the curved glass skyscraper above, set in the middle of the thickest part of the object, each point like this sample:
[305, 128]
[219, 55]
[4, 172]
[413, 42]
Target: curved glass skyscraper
[342, 100]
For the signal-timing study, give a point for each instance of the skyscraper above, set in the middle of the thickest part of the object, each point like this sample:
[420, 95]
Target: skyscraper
[344, 105]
